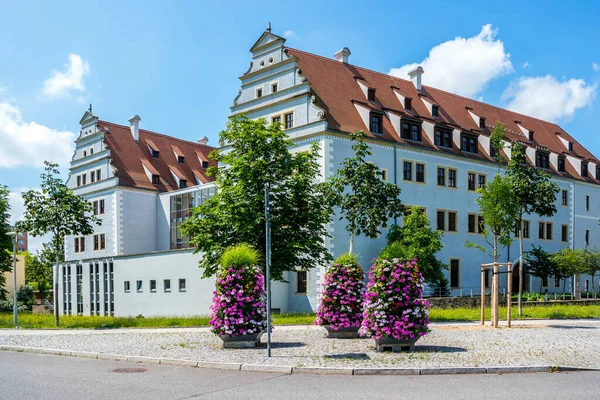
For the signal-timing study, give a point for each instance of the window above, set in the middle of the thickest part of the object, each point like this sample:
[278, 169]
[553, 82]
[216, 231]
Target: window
[92, 176]
[182, 183]
[180, 159]
[274, 87]
[167, 285]
[525, 229]
[452, 221]
[98, 175]
[408, 103]
[587, 237]
[487, 274]
[584, 170]
[542, 159]
[276, 120]
[407, 171]
[471, 223]
[452, 178]
[139, 287]
[375, 123]
[531, 136]
[443, 224]
[434, 111]
[127, 286]
[79, 245]
[289, 120]
[155, 153]
[587, 203]
[468, 143]
[443, 138]
[91, 151]
[83, 179]
[259, 92]
[545, 281]
[598, 172]
[471, 181]
[301, 281]
[481, 123]
[454, 273]
[570, 146]
[420, 173]
[441, 221]
[557, 281]
[85, 153]
[78, 180]
[98, 206]
[441, 176]
[204, 164]
[182, 285]
[565, 197]
[481, 182]
[384, 174]
[564, 233]
[480, 224]
[411, 131]
[371, 94]
[561, 164]
[545, 230]
[152, 285]
[156, 179]
[99, 242]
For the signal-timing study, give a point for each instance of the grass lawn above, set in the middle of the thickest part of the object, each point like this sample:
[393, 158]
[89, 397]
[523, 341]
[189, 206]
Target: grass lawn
[39, 321]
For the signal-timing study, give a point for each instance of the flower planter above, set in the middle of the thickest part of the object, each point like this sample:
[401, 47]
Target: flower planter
[342, 332]
[395, 345]
[241, 341]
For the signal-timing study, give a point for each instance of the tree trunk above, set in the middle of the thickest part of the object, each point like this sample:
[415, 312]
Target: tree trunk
[56, 269]
[520, 301]
[351, 242]
[496, 285]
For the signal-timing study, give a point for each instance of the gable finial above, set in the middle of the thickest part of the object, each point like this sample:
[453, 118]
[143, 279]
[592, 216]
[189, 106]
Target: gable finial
[269, 27]
[90, 107]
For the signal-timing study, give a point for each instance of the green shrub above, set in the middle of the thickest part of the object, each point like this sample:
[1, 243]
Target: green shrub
[393, 250]
[25, 295]
[240, 255]
[347, 258]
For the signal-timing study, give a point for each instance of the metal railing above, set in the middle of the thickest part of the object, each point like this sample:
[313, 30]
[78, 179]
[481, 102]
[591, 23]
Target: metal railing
[475, 291]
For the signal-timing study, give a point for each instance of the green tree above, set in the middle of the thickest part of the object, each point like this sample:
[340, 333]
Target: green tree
[591, 263]
[38, 274]
[539, 263]
[534, 193]
[57, 210]
[417, 240]
[259, 154]
[497, 140]
[569, 262]
[6, 245]
[365, 200]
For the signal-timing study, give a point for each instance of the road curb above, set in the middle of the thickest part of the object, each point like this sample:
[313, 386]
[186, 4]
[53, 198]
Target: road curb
[286, 369]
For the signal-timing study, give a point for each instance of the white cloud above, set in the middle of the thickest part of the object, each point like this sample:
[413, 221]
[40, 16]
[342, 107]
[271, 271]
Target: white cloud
[29, 143]
[289, 34]
[547, 98]
[595, 67]
[62, 83]
[16, 213]
[525, 65]
[463, 66]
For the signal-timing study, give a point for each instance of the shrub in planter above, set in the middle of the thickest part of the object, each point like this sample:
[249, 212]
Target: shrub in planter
[341, 297]
[393, 305]
[239, 301]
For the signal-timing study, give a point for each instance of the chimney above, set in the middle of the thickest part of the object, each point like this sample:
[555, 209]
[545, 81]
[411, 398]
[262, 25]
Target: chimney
[415, 77]
[204, 140]
[134, 125]
[342, 55]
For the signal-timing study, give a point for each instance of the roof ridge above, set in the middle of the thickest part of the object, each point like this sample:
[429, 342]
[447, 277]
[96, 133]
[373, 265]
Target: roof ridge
[158, 134]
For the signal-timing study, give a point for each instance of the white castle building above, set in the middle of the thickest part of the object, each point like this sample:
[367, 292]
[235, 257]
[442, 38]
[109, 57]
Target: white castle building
[435, 145]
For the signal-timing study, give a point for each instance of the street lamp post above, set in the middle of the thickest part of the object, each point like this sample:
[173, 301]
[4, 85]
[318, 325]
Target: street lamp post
[13, 235]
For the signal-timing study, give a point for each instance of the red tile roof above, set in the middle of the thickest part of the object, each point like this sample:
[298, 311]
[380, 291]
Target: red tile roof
[128, 156]
[335, 85]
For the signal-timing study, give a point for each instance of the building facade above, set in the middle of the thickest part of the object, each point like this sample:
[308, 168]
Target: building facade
[433, 144]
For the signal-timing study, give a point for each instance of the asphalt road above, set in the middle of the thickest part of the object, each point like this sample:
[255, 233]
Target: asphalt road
[34, 376]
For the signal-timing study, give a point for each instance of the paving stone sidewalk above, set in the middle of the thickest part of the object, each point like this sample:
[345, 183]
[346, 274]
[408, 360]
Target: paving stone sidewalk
[530, 343]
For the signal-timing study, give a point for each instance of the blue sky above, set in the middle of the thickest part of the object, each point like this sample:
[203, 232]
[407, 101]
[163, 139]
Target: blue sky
[177, 64]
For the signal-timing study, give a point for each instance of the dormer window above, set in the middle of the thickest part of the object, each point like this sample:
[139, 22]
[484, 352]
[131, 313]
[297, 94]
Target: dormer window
[531, 135]
[371, 94]
[584, 169]
[155, 153]
[182, 183]
[542, 159]
[570, 146]
[259, 92]
[598, 172]
[468, 143]
[481, 123]
[180, 159]
[156, 179]
[443, 137]
[411, 131]
[408, 103]
[434, 111]
[204, 164]
[561, 164]
[376, 122]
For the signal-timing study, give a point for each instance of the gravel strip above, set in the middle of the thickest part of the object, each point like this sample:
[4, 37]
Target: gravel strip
[575, 344]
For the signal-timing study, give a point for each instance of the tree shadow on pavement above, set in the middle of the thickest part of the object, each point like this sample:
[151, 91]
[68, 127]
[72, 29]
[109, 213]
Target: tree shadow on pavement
[438, 349]
[348, 356]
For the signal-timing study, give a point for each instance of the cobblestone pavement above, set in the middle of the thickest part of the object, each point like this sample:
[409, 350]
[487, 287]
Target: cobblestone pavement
[529, 343]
